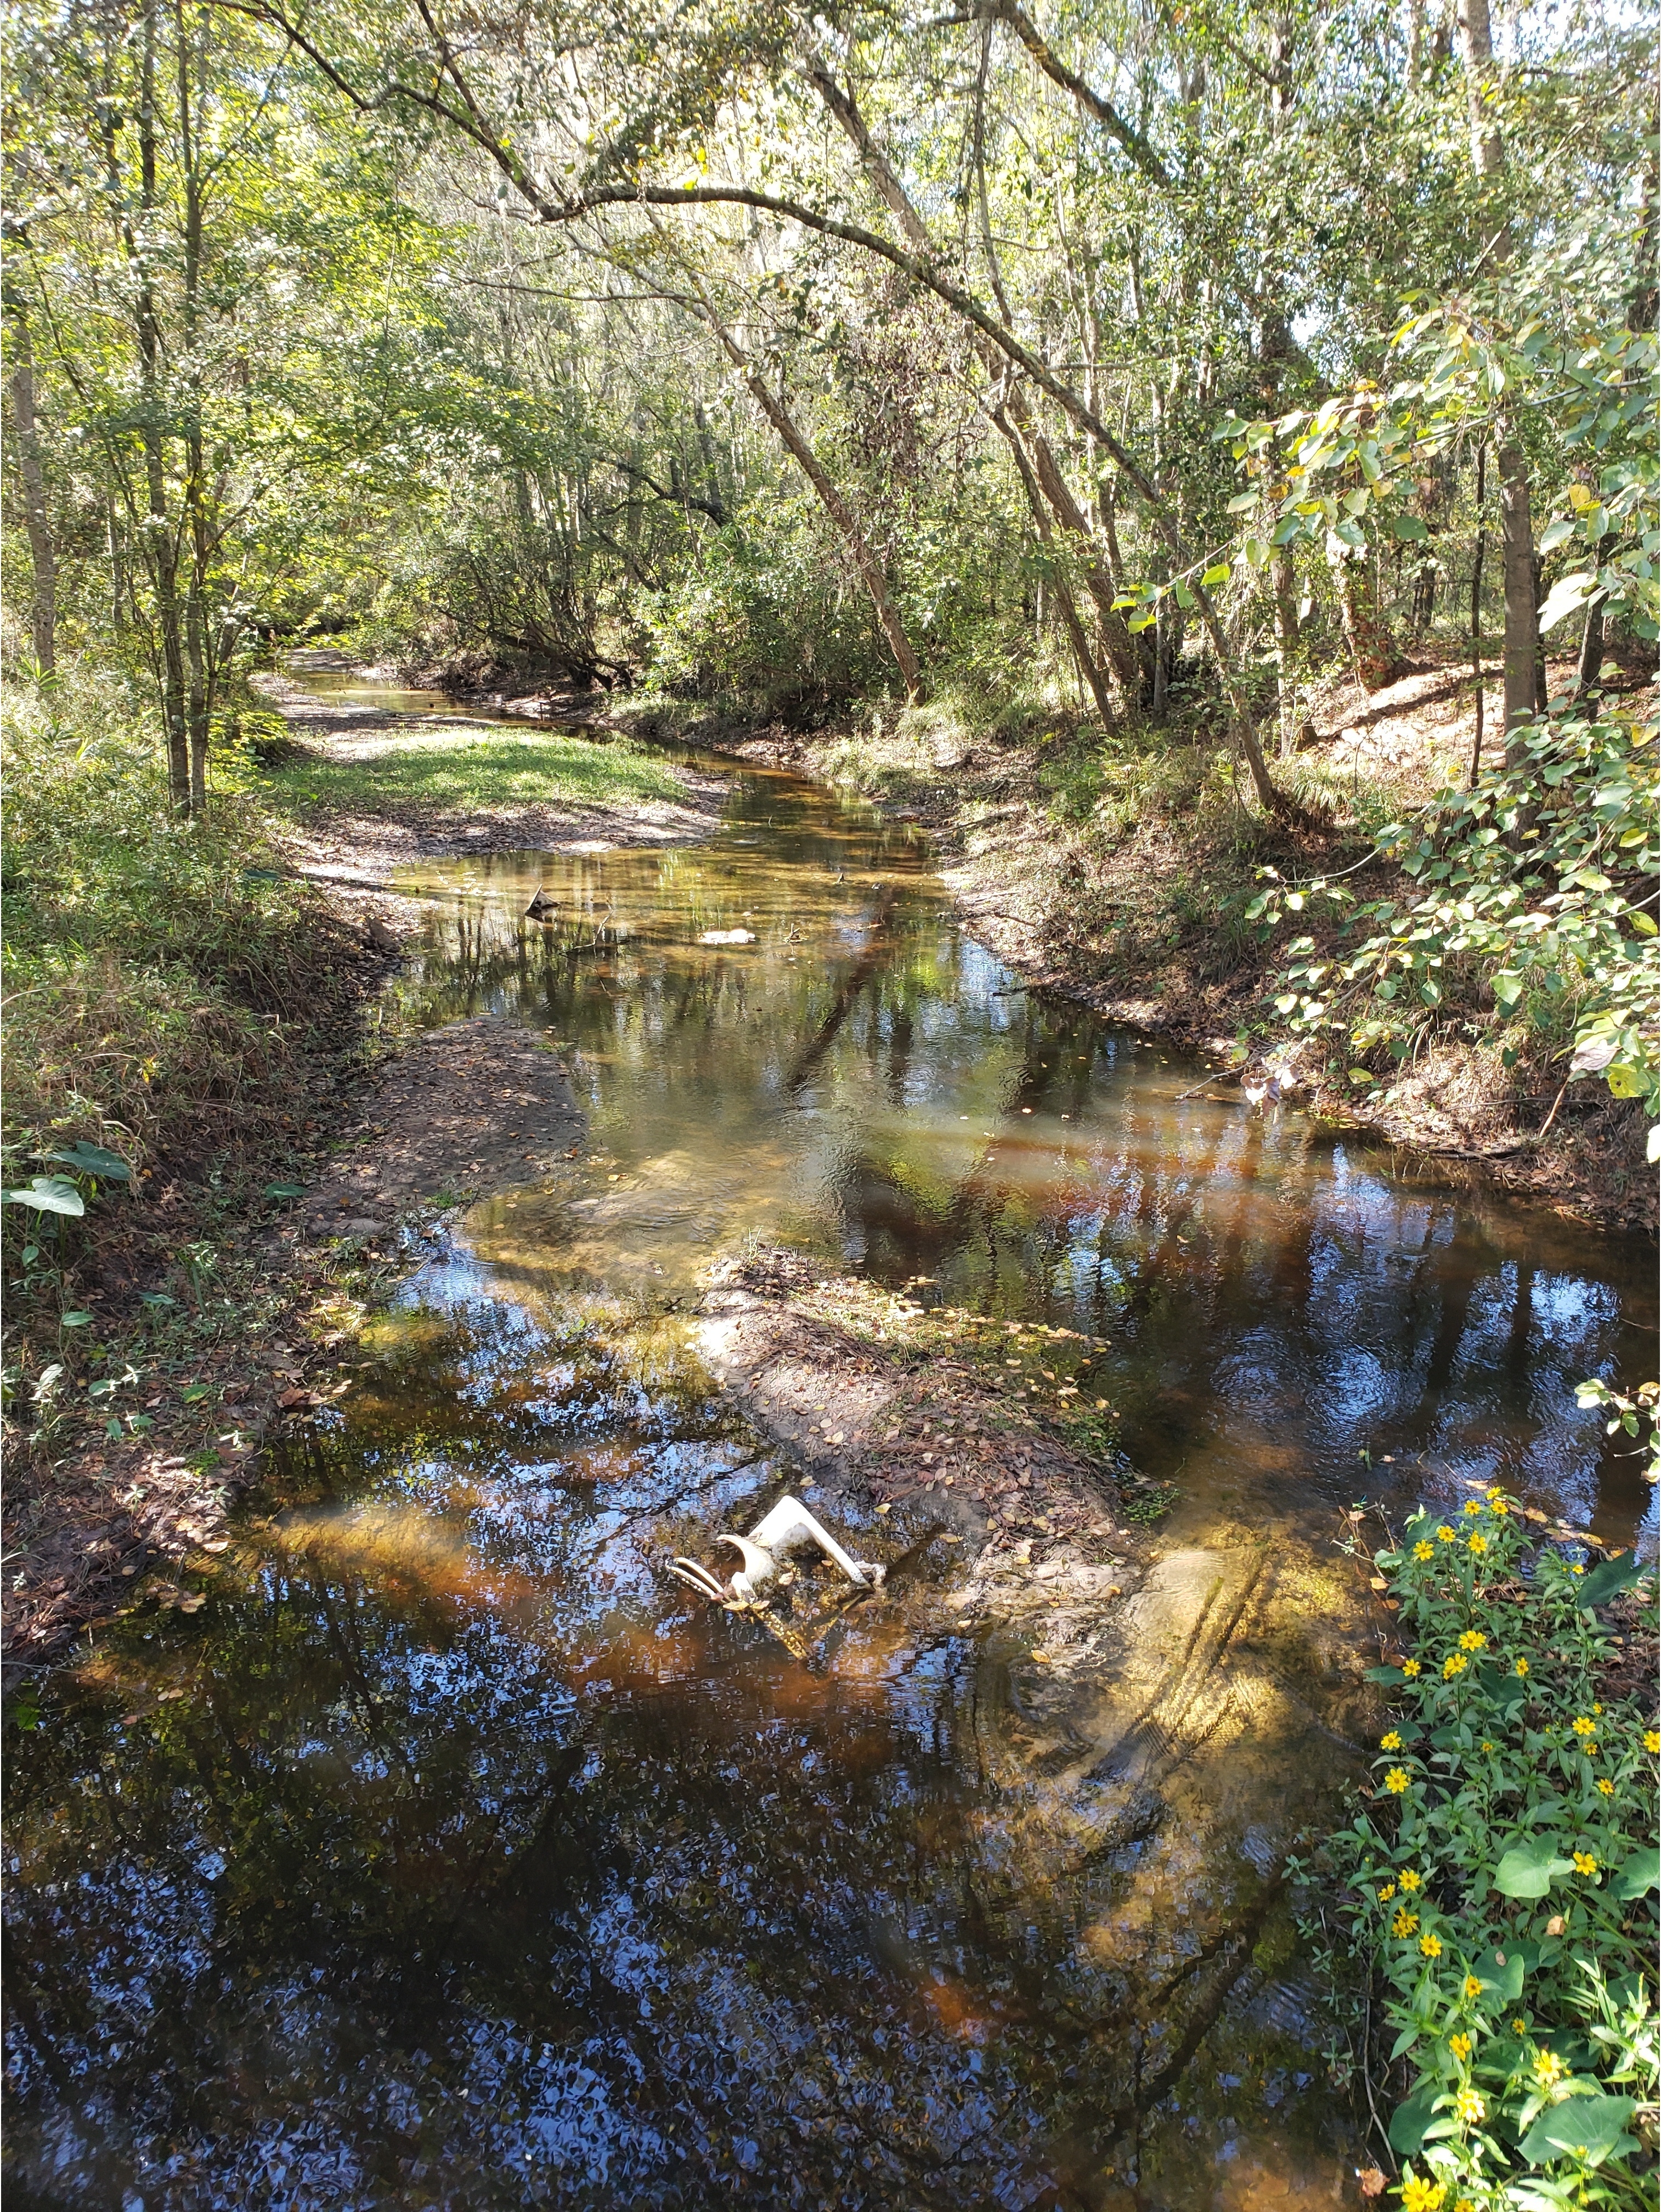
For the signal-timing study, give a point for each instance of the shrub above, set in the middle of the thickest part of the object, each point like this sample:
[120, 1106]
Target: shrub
[150, 961]
[1533, 893]
[1499, 1881]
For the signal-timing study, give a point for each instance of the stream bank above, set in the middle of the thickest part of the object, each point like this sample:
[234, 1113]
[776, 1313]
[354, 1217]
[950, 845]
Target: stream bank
[494, 1861]
[1128, 897]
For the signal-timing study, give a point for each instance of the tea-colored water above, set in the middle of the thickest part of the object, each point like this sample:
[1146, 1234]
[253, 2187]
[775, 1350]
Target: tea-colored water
[451, 1856]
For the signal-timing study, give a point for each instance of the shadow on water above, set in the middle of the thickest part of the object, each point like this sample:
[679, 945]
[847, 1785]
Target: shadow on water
[449, 1857]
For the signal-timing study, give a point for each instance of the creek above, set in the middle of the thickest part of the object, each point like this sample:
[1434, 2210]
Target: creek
[450, 1855]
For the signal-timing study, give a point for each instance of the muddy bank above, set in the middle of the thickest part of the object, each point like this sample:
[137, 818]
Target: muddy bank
[266, 1335]
[919, 1428]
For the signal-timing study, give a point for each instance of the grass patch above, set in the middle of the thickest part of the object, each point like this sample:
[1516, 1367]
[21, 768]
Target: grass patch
[1496, 1889]
[471, 770]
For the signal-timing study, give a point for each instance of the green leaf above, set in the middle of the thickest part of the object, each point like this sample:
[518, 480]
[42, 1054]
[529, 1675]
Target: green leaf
[1505, 1982]
[1624, 1081]
[92, 1160]
[50, 1195]
[1588, 2128]
[1243, 502]
[1609, 1581]
[1409, 527]
[1564, 596]
[1409, 2123]
[74, 1320]
[1529, 1869]
[1637, 1876]
[298, 1189]
[1219, 572]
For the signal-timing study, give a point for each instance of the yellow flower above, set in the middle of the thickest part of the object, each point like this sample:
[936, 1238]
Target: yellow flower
[1421, 2196]
[1548, 2068]
[1653, 1740]
[1459, 2046]
[1606, 1787]
[1522, 1666]
[1479, 1544]
[1464, 2205]
[1423, 1551]
[1410, 1879]
[1589, 1745]
[1398, 1780]
[1485, 1745]
[1445, 1534]
[1576, 1568]
[1596, 1708]
[1585, 1862]
[1583, 1726]
[1390, 1742]
[1473, 1640]
[1497, 1506]
[1455, 1663]
[1410, 1668]
[1517, 2027]
[1404, 1922]
[1469, 2108]
[1473, 1505]
[1431, 1946]
[1473, 1987]
[1386, 1893]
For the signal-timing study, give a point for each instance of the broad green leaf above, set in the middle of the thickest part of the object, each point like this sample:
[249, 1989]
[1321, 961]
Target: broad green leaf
[1564, 596]
[1529, 1869]
[1608, 1581]
[50, 1195]
[1409, 527]
[92, 1160]
[1637, 1876]
[1408, 2123]
[1583, 2128]
[1218, 573]
[285, 1190]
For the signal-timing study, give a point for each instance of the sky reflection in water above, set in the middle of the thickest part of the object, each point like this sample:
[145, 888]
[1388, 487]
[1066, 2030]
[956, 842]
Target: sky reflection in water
[474, 1867]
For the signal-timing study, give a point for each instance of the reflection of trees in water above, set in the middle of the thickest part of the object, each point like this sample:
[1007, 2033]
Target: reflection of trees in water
[634, 1923]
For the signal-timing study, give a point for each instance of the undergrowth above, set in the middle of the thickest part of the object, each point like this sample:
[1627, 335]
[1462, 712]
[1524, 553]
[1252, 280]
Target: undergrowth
[1494, 1896]
[159, 972]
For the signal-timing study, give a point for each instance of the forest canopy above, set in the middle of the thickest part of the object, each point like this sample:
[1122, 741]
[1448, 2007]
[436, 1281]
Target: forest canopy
[1140, 362]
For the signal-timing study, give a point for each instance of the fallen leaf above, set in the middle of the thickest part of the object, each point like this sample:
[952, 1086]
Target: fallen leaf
[1372, 2181]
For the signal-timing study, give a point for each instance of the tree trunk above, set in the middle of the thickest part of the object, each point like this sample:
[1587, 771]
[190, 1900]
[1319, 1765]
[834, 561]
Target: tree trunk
[1487, 156]
[1591, 654]
[1283, 578]
[869, 567]
[161, 543]
[1081, 652]
[1365, 633]
[1516, 563]
[1116, 638]
[43, 611]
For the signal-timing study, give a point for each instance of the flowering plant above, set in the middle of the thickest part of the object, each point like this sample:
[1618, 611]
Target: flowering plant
[1514, 1803]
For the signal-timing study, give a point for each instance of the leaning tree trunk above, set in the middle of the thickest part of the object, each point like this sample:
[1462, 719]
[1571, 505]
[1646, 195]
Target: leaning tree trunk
[869, 567]
[1488, 158]
[43, 611]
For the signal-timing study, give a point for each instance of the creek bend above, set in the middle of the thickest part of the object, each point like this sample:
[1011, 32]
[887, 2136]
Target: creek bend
[456, 1858]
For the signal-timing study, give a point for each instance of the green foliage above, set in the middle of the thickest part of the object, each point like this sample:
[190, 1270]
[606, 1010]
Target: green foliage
[1537, 889]
[768, 618]
[151, 962]
[1500, 1881]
